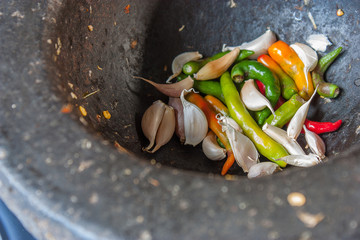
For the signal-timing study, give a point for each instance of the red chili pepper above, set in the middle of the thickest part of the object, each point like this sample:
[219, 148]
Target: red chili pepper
[261, 88]
[322, 127]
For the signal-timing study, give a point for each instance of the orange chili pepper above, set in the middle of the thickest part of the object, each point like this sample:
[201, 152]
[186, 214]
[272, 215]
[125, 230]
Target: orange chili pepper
[210, 114]
[288, 86]
[216, 104]
[289, 61]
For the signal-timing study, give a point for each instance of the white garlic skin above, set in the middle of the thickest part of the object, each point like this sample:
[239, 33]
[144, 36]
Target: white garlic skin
[211, 148]
[280, 136]
[301, 160]
[296, 123]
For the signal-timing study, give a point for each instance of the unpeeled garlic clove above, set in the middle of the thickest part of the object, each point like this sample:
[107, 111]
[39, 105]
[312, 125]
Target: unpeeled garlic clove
[297, 121]
[280, 136]
[151, 120]
[211, 148]
[301, 160]
[319, 42]
[172, 89]
[259, 45]
[179, 62]
[306, 54]
[253, 99]
[244, 150]
[195, 122]
[263, 169]
[216, 68]
[166, 128]
[315, 143]
[179, 115]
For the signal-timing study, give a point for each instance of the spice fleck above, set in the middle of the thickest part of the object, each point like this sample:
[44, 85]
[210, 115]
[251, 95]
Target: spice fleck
[83, 110]
[339, 12]
[296, 199]
[106, 114]
[127, 9]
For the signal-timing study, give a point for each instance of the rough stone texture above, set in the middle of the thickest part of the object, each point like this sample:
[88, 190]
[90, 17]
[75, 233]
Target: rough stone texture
[64, 181]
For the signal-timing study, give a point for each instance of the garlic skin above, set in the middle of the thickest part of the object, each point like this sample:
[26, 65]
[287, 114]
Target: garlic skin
[259, 45]
[195, 122]
[315, 143]
[211, 148]
[166, 129]
[263, 169]
[172, 89]
[151, 120]
[319, 42]
[280, 136]
[179, 62]
[253, 99]
[297, 121]
[306, 54]
[216, 68]
[245, 152]
[179, 115]
[301, 160]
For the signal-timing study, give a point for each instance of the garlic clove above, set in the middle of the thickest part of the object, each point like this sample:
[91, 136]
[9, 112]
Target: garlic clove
[211, 148]
[195, 122]
[172, 89]
[297, 121]
[259, 45]
[253, 99]
[216, 68]
[151, 120]
[319, 42]
[280, 136]
[244, 150]
[179, 62]
[263, 169]
[315, 143]
[306, 54]
[301, 160]
[179, 115]
[166, 128]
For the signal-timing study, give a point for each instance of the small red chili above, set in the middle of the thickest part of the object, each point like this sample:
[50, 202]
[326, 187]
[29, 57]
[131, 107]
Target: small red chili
[322, 127]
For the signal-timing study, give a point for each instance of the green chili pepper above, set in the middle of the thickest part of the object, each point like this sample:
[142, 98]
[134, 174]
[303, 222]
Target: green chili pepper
[286, 111]
[248, 69]
[264, 144]
[325, 89]
[209, 87]
[192, 67]
[288, 86]
[181, 76]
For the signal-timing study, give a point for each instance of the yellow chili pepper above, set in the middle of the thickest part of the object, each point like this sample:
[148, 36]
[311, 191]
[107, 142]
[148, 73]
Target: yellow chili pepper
[289, 61]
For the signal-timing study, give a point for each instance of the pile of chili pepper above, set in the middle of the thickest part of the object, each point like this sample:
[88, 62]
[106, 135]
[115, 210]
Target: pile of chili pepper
[217, 89]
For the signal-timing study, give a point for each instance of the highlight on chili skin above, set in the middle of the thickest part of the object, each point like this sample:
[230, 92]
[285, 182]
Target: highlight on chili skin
[244, 102]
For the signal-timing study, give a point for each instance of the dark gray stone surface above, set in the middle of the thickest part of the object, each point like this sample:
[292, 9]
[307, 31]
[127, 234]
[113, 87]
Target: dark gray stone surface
[64, 181]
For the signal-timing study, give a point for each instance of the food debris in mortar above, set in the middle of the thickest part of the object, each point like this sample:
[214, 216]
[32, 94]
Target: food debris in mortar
[237, 102]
